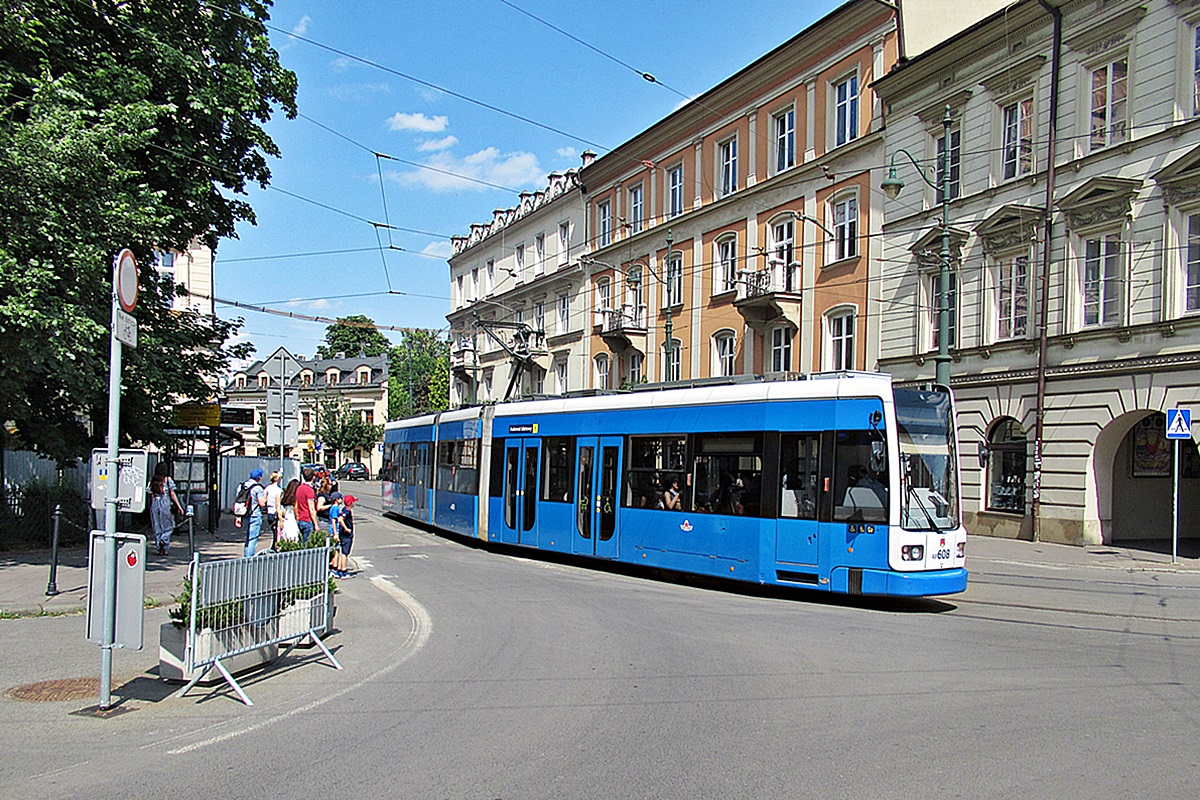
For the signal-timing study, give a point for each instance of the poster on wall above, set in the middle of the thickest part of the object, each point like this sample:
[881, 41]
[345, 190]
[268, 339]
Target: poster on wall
[1151, 448]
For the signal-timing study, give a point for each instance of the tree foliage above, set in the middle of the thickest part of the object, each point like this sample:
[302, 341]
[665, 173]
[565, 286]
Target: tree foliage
[418, 375]
[353, 335]
[121, 125]
[340, 429]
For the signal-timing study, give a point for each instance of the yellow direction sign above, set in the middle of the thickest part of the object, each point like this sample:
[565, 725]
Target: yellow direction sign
[193, 415]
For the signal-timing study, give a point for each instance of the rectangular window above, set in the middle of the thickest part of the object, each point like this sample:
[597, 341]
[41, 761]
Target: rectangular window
[460, 299]
[520, 259]
[489, 277]
[786, 277]
[564, 313]
[845, 228]
[841, 341]
[781, 350]
[1017, 147]
[654, 463]
[727, 156]
[1012, 297]
[675, 184]
[564, 243]
[846, 111]
[674, 293]
[1102, 280]
[539, 254]
[560, 374]
[604, 210]
[1110, 124]
[1196, 70]
[954, 158]
[1192, 276]
[558, 469]
[475, 284]
[799, 476]
[785, 140]
[635, 209]
[935, 305]
[635, 367]
[727, 474]
[727, 264]
[539, 317]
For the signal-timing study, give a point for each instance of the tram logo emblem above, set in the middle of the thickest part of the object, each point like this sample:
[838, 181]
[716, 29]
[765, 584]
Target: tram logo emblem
[686, 526]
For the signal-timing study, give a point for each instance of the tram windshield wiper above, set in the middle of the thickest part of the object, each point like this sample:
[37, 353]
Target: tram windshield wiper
[913, 495]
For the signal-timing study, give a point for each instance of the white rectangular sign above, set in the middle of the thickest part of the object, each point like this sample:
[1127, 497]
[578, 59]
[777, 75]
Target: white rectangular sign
[127, 329]
[131, 489]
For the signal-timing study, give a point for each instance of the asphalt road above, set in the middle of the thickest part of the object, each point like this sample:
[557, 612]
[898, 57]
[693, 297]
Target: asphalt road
[477, 674]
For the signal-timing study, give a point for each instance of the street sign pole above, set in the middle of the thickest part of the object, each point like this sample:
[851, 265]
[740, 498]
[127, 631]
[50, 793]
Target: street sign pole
[282, 415]
[1175, 508]
[1179, 427]
[123, 266]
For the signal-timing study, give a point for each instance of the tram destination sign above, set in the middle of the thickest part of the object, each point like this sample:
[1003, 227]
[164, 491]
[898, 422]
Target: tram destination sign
[526, 428]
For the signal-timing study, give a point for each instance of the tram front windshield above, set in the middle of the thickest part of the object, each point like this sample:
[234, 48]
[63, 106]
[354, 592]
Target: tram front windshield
[928, 461]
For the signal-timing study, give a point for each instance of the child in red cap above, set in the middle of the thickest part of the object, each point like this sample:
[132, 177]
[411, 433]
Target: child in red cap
[344, 520]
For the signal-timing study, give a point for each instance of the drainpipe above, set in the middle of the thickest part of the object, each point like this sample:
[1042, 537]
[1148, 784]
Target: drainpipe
[1039, 434]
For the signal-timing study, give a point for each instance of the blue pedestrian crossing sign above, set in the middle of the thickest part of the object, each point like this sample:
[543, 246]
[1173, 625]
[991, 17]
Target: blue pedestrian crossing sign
[1179, 423]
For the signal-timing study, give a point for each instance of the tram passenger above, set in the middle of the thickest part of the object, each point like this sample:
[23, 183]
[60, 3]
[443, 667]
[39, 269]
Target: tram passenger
[671, 497]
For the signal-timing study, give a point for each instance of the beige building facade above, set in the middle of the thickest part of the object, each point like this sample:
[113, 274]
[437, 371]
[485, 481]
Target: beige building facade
[1074, 161]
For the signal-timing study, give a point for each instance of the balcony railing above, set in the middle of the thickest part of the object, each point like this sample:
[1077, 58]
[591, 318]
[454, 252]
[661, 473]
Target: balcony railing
[775, 279]
[623, 319]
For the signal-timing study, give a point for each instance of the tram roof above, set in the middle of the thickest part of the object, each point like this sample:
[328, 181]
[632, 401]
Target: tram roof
[828, 386]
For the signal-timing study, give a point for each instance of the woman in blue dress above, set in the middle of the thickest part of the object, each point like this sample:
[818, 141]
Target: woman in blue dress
[162, 500]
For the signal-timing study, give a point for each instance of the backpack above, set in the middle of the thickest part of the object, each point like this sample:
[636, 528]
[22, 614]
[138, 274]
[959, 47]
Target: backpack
[241, 503]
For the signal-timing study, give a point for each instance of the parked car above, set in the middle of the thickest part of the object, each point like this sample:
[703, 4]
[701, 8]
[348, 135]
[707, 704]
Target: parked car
[353, 471]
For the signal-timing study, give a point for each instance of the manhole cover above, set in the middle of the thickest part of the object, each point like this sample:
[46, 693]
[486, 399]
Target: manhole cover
[55, 691]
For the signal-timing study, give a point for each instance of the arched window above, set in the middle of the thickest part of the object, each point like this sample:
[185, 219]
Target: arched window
[840, 325]
[785, 273]
[1007, 468]
[781, 349]
[364, 376]
[671, 361]
[724, 349]
[331, 377]
[263, 380]
[726, 261]
[602, 368]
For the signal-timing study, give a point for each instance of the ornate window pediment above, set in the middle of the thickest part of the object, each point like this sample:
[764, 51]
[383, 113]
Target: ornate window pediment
[1009, 227]
[1098, 201]
[928, 249]
[1180, 180]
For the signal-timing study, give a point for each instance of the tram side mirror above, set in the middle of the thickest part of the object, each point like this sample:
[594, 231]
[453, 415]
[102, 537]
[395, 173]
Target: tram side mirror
[878, 460]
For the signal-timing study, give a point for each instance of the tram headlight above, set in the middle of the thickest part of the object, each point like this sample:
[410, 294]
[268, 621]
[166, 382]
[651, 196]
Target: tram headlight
[912, 552]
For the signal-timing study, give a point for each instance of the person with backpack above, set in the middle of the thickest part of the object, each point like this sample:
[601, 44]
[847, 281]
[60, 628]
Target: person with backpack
[251, 500]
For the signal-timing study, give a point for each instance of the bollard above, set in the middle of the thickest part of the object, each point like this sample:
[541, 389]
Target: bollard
[52, 585]
[191, 519]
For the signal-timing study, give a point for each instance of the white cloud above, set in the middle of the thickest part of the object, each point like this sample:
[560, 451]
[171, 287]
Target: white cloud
[417, 122]
[301, 27]
[514, 170]
[439, 249]
[431, 145]
[312, 305]
[567, 152]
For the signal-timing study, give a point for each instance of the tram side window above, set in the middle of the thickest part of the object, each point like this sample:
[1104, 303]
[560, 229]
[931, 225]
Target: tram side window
[727, 474]
[798, 477]
[457, 466]
[497, 487]
[860, 489]
[558, 469]
[656, 464]
[446, 465]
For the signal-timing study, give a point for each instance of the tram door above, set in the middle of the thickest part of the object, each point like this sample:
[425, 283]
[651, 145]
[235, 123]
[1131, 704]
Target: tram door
[597, 489]
[521, 457]
[421, 482]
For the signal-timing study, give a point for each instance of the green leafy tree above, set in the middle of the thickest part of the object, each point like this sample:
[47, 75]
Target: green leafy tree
[341, 429]
[353, 335]
[418, 375]
[121, 125]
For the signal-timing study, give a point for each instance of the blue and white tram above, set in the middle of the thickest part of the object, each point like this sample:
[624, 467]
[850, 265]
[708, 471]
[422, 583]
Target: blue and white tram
[839, 482]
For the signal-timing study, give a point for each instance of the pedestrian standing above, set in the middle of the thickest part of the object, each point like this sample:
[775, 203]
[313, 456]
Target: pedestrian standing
[257, 508]
[162, 501]
[345, 533]
[274, 491]
[289, 528]
[306, 505]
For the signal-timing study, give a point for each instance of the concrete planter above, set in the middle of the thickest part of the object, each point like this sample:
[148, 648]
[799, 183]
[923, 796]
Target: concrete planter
[303, 615]
[173, 640]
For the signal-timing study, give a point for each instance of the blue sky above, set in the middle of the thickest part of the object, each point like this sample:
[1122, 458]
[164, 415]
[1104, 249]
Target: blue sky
[327, 185]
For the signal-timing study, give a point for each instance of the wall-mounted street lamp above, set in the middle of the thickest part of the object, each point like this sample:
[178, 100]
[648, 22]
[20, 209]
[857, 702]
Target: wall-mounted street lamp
[891, 188]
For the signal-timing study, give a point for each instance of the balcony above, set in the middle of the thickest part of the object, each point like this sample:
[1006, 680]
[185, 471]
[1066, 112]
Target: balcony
[771, 295]
[623, 327]
[462, 358]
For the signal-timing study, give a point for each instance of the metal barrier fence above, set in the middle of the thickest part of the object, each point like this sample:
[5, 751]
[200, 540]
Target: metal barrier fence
[244, 604]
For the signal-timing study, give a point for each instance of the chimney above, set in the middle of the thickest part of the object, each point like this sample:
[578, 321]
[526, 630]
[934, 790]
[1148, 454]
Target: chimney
[587, 156]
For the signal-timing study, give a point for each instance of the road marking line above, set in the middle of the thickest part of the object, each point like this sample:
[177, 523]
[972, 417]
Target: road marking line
[417, 637]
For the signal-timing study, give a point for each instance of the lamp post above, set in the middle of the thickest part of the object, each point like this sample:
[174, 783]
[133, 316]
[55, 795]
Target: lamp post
[891, 187]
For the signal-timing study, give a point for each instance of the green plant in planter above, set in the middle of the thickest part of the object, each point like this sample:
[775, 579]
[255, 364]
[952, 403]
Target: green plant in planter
[217, 616]
[317, 539]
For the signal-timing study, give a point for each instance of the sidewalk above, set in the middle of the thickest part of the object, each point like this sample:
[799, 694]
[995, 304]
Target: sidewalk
[25, 574]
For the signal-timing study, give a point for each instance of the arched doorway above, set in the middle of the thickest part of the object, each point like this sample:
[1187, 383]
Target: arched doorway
[1141, 485]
